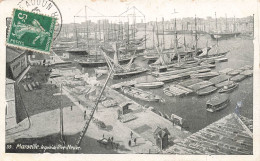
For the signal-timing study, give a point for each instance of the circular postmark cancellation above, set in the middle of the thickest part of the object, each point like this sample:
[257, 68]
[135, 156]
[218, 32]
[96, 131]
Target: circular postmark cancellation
[46, 7]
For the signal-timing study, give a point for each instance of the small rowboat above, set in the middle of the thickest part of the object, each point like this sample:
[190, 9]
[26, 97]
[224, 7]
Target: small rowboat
[149, 85]
[228, 88]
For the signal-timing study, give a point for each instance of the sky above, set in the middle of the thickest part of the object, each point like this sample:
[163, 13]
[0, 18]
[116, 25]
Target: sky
[153, 9]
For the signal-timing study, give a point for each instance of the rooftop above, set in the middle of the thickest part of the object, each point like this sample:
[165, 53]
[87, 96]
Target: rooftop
[12, 53]
[226, 136]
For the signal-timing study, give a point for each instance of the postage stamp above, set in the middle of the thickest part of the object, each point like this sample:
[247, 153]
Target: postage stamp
[31, 31]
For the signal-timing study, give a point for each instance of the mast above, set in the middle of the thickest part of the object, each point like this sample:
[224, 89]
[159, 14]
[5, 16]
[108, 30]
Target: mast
[96, 42]
[163, 33]
[226, 23]
[216, 22]
[99, 30]
[176, 42]
[127, 43]
[253, 25]
[87, 26]
[61, 117]
[76, 33]
[104, 32]
[196, 37]
[134, 25]
[157, 35]
[153, 37]
[144, 34]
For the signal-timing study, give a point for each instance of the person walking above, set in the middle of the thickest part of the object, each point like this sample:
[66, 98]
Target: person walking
[71, 107]
[112, 138]
[131, 134]
[129, 143]
[135, 141]
[85, 114]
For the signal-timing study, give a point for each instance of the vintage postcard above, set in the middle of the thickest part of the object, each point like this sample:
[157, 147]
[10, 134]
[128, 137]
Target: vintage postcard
[167, 79]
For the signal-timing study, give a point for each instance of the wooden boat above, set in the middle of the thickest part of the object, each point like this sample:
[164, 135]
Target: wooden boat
[221, 59]
[78, 51]
[238, 78]
[140, 94]
[177, 90]
[149, 85]
[100, 62]
[205, 76]
[204, 70]
[120, 74]
[228, 88]
[207, 65]
[247, 73]
[234, 72]
[217, 103]
[206, 91]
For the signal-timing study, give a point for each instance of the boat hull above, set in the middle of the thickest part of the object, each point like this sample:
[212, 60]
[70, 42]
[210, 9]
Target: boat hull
[102, 63]
[127, 74]
[140, 94]
[151, 85]
[222, 36]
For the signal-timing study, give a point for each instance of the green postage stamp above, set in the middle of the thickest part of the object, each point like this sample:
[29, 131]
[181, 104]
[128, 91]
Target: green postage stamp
[31, 31]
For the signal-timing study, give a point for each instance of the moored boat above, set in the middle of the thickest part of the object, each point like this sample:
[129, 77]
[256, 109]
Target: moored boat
[238, 78]
[205, 76]
[140, 94]
[206, 91]
[149, 85]
[228, 88]
[125, 74]
[217, 103]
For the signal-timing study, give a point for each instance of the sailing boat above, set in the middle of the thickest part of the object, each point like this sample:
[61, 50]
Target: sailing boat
[224, 35]
[79, 50]
[120, 71]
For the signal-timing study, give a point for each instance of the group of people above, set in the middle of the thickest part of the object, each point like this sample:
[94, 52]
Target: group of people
[110, 141]
[130, 141]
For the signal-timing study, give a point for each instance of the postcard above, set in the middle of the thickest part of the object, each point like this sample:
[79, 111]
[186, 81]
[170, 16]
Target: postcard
[166, 79]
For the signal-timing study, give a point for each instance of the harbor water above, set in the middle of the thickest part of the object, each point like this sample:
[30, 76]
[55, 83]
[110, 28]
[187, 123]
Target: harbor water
[193, 108]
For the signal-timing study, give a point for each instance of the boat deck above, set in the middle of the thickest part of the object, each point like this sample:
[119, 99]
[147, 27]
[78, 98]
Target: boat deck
[225, 71]
[178, 90]
[200, 85]
[219, 79]
[238, 78]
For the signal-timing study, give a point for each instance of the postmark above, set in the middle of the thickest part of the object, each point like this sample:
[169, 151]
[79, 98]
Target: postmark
[31, 31]
[46, 7]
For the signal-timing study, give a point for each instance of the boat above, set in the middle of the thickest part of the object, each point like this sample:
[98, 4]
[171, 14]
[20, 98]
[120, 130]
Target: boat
[93, 62]
[221, 59]
[221, 36]
[217, 103]
[247, 73]
[119, 74]
[206, 91]
[238, 78]
[225, 34]
[234, 72]
[177, 90]
[228, 88]
[149, 85]
[140, 94]
[77, 51]
[204, 76]
[120, 71]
